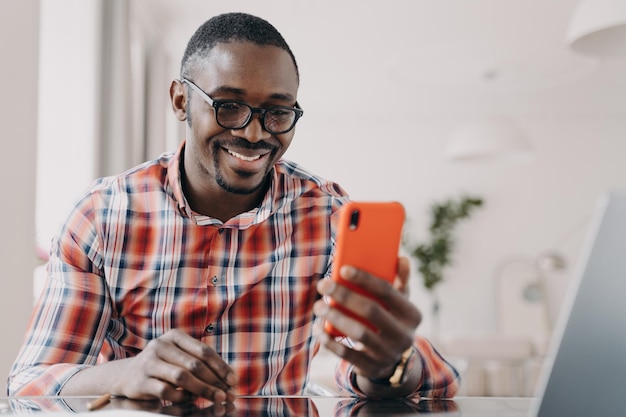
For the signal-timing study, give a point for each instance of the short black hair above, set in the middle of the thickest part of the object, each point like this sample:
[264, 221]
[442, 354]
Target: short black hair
[231, 27]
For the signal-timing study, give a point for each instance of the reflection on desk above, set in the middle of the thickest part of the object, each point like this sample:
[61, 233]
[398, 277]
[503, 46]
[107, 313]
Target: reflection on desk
[273, 406]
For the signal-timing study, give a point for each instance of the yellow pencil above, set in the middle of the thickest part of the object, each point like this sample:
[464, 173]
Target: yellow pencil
[99, 402]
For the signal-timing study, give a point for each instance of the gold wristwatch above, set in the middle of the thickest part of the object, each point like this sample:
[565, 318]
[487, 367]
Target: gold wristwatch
[397, 378]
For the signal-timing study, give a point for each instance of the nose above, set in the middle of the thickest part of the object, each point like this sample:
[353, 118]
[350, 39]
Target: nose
[254, 132]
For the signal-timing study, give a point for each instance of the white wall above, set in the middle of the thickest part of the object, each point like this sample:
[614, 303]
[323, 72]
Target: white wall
[18, 129]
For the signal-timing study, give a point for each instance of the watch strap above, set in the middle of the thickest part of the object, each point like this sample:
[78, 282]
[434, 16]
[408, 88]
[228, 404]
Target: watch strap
[398, 376]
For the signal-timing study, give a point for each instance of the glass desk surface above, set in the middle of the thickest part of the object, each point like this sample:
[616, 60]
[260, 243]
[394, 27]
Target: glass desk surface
[273, 406]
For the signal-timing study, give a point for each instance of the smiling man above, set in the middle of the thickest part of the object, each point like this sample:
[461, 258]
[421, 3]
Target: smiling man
[201, 273]
[241, 82]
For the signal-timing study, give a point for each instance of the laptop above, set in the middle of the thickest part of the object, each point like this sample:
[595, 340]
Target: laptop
[585, 373]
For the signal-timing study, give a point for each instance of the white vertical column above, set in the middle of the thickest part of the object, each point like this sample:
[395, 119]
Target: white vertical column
[18, 134]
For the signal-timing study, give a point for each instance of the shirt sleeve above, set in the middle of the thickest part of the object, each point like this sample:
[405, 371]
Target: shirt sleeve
[67, 328]
[439, 378]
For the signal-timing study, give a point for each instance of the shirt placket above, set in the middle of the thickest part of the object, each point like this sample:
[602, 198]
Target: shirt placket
[216, 283]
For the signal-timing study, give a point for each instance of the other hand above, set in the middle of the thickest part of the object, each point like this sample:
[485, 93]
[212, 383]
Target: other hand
[177, 367]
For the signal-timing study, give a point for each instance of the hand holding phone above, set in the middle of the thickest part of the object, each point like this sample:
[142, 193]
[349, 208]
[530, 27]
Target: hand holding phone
[368, 238]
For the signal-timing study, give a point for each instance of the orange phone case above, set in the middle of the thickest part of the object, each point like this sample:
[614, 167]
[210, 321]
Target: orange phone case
[368, 238]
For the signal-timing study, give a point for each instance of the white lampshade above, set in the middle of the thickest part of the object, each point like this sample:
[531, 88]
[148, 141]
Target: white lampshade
[489, 138]
[598, 27]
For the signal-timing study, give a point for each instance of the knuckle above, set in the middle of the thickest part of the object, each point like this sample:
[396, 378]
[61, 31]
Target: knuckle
[222, 369]
[206, 350]
[179, 376]
[359, 332]
[371, 309]
[340, 294]
[162, 390]
[194, 365]
[386, 290]
[206, 392]
[170, 334]
[210, 392]
[152, 344]
[417, 317]
[152, 347]
[407, 340]
[411, 316]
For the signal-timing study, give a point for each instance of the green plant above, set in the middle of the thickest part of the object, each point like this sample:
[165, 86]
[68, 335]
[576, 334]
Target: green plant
[434, 255]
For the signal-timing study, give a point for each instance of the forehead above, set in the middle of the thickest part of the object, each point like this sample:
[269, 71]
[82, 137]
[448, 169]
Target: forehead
[255, 69]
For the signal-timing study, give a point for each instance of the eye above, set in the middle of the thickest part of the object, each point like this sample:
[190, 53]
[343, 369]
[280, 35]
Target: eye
[280, 112]
[230, 106]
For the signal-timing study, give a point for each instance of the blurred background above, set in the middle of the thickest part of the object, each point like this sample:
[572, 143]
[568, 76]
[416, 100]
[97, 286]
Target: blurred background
[420, 101]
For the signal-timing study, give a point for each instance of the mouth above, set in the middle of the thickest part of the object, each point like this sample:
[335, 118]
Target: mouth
[246, 158]
[246, 161]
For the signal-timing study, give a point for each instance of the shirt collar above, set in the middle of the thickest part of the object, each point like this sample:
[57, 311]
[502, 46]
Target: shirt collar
[242, 221]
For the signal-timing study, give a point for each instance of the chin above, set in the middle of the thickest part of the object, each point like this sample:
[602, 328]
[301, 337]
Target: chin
[239, 188]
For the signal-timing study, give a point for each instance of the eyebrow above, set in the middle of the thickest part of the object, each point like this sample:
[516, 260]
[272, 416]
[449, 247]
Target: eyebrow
[240, 92]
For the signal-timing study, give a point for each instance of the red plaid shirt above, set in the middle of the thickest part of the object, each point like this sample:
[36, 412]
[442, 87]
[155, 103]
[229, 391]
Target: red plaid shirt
[133, 261]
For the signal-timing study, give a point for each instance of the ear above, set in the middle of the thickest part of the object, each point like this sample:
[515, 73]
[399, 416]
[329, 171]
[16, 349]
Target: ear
[178, 96]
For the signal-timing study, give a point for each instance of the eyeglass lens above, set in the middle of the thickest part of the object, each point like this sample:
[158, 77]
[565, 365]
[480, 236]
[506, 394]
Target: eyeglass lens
[236, 115]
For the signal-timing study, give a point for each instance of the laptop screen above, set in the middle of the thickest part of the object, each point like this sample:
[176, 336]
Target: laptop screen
[585, 372]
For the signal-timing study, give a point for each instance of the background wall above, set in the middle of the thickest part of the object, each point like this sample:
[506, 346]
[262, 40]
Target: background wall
[19, 28]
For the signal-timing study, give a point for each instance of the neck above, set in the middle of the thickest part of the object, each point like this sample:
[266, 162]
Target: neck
[219, 203]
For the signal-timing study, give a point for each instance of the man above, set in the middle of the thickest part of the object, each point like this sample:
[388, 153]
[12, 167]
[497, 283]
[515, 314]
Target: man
[200, 274]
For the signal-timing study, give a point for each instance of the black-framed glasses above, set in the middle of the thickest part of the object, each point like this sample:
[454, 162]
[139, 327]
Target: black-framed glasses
[231, 114]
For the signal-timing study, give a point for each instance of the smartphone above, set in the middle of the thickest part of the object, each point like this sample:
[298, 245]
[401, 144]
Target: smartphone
[368, 238]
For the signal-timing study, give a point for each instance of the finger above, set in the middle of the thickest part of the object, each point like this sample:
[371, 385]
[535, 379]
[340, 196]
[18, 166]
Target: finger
[398, 309]
[396, 302]
[154, 388]
[402, 279]
[364, 364]
[382, 346]
[376, 346]
[389, 330]
[173, 363]
[189, 373]
[208, 356]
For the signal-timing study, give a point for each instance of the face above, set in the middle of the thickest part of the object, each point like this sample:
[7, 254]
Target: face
[236, 161]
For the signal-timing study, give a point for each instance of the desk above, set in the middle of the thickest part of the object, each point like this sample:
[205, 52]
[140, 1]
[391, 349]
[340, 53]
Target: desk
[305, 406]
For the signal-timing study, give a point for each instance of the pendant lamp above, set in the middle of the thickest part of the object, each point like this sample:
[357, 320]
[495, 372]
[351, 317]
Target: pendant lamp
[598, 28]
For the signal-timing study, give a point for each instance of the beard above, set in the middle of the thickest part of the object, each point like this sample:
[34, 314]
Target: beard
[233, 188]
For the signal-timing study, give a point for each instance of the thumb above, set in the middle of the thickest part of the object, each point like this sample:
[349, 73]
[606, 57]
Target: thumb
[402, 278]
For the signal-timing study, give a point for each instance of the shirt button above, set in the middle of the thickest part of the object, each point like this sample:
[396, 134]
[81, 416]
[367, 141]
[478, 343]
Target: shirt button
[210, 328]
[214, 281]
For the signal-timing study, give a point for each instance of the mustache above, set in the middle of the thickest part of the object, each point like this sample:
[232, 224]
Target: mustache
[245, 144]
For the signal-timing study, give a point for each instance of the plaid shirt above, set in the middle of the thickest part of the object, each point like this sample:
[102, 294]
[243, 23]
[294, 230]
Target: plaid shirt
[133, 261]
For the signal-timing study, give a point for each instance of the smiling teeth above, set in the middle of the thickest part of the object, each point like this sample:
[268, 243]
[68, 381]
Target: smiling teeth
[243, 157]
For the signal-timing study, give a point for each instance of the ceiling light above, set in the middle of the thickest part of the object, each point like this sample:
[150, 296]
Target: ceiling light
[598, 27]
[490, 138]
